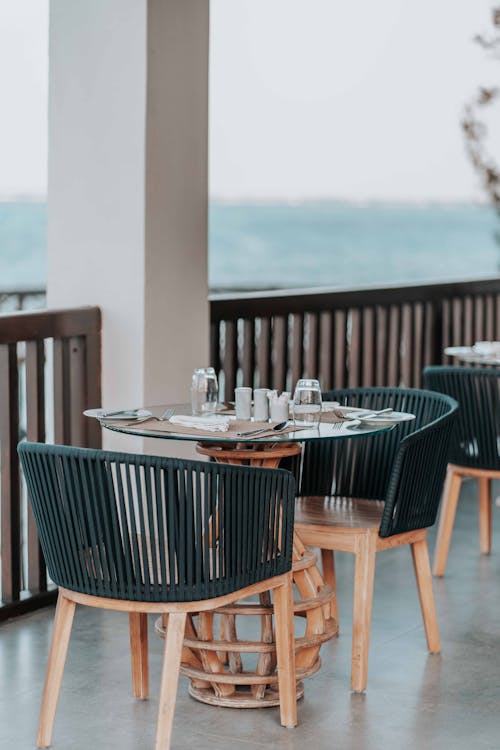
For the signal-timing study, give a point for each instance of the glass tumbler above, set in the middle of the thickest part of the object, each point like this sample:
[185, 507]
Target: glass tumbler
[307, 402]
[204, 390]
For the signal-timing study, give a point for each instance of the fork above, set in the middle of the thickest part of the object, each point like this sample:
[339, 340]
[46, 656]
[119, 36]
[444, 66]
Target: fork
[163, 418]
[374, 413]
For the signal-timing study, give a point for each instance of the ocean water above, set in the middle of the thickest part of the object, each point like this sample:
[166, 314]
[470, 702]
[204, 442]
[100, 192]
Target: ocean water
[265, 246]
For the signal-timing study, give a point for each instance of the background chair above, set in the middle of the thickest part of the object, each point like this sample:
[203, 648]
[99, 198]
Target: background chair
[475, 448]
[133, 533]
[364, 496]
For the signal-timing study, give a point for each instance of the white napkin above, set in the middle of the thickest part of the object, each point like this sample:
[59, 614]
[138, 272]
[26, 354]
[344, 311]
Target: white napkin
[214, 423]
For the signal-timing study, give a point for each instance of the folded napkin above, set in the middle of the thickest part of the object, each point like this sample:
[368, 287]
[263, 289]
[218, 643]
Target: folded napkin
[215, 423]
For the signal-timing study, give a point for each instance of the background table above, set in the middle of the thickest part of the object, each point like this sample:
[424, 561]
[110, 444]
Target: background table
[467, 354]
[215, 664]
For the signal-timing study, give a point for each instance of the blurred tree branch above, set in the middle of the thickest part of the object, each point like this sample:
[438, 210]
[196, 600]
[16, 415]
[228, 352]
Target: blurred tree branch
[474, 129]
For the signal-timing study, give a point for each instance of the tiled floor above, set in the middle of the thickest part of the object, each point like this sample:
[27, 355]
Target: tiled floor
[414, 701]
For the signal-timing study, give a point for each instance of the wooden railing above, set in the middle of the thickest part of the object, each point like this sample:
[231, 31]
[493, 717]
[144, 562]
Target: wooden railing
[50, 364]
[376, 336]
[50, 371]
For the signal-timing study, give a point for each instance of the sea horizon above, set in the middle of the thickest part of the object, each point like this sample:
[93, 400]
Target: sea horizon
[263, 244]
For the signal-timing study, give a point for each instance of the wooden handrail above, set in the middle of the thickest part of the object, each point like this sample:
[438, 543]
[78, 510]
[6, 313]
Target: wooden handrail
[289, 301]
[29, 325]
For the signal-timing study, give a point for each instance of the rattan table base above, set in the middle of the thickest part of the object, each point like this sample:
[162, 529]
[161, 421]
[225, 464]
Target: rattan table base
[226, 671]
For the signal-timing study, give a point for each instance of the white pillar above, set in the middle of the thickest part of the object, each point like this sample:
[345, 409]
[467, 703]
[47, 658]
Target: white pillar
[127, 194]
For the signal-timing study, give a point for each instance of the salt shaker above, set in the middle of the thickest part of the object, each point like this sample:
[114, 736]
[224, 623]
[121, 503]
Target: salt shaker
[260, 404]
[243, 403]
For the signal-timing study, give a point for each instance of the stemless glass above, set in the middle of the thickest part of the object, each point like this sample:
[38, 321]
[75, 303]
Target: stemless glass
[204, 390]
[307, 402]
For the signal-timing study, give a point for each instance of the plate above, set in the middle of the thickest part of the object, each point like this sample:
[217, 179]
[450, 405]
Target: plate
[125, 414]
[384, 420]
[458, 351]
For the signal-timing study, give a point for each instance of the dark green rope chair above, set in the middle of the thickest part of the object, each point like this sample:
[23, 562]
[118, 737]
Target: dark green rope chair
[475, 447]
[364, 496]
[144, 534]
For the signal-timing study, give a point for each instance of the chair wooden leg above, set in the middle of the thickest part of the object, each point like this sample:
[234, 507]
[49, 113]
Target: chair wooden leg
[63, 622]
[364, 573]
[169, 679]
[328, 566]
[139, 653]
[421, 564]
[485, 515]
[285, 652]
[446, 521]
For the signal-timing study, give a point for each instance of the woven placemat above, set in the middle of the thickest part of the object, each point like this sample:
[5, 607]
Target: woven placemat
[235, 426]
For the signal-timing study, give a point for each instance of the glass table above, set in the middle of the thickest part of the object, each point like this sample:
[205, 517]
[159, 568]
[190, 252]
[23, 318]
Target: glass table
[213, 659]
[469, 355]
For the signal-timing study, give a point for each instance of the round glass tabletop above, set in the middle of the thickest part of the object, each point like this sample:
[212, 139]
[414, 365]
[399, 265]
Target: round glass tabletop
[470, 355]
[154, 428]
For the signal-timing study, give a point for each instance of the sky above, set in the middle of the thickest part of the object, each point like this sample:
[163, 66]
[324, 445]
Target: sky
[308, 98]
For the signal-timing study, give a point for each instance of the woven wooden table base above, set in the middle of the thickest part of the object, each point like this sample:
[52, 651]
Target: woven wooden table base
[226, 671]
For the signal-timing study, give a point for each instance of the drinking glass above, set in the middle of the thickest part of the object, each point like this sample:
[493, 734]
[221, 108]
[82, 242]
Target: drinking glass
[204, 389]
[307, 402]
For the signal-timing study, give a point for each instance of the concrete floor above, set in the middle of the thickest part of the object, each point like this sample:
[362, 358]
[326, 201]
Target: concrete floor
[414, 701]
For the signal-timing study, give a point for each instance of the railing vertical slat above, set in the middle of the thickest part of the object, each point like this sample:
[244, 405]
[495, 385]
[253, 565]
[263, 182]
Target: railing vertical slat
[489, 318]
[230, 358]
[437, 331]
[340, 349]
[479, 328]
[248, 359]
[354, 357]
[418, 344]
[325, 347]
[407, 353]
[468, 320]
[393, 353]
[62, 430]
[368, 347]
[457, 320]
[11, 496]
[215, 347]
[77, 390]
[381, 344]
[280, 350]
[35, 431]
[297, 348]
[312, 355]
[264, 353]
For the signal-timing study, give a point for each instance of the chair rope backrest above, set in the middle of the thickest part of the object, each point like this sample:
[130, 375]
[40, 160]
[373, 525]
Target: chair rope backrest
[379, 467]
[417, 476]
[146, 528]
[476, 436]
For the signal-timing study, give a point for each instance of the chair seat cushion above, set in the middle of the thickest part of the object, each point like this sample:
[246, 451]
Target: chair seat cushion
[346, 512]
